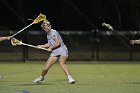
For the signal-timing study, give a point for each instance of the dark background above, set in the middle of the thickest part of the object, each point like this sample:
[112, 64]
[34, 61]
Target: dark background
[71, 14]
[79, 23]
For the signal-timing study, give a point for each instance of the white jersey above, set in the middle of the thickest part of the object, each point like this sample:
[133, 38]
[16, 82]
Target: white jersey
[62, 49]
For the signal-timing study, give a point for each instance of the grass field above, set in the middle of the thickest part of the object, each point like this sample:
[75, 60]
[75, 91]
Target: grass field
[91, 78]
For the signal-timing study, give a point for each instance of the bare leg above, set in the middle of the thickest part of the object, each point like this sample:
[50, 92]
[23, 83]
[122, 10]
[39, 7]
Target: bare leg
[48, 65]
[62, 63]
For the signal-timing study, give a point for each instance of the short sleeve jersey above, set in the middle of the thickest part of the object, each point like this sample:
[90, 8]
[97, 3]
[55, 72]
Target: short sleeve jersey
[51, 38]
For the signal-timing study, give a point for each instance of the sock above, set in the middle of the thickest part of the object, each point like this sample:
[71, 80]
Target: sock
[69, 76]
[41, 77]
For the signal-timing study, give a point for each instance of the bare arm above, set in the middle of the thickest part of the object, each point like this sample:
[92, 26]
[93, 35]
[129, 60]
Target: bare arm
[56, 44]
[5, 38]
[44, 46]
[135, 41]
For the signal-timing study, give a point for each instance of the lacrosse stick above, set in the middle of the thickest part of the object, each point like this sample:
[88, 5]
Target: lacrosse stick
[15, 42]
[111, 28]
[40, 18]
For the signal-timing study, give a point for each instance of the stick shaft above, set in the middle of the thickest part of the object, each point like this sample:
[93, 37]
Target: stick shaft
[111, 28]
[21, 30]
[32, 46]
[121, 35]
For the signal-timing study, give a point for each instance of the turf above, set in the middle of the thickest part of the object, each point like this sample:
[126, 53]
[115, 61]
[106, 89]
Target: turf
[91, 78]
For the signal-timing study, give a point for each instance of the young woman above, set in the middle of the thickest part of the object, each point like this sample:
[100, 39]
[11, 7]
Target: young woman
[58, 52]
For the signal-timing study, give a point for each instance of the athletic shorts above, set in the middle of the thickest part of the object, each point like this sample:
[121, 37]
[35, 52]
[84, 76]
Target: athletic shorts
[61, 51]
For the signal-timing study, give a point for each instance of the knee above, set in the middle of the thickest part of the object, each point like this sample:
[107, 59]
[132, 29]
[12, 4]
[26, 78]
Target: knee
[62, 65]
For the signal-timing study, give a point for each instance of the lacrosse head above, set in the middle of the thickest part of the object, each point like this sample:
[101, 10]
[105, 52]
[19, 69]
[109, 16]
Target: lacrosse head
[15, 42]
[40, 18]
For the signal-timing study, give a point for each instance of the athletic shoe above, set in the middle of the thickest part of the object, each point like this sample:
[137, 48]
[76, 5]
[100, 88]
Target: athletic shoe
[38, 79]
[71, 81]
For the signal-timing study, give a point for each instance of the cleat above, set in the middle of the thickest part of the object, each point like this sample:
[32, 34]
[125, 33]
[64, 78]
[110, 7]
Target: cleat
[37, 80]
[71, 81]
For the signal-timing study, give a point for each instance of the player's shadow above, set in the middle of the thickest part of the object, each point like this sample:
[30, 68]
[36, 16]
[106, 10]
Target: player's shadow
[131, 82]
[60, 80]
[34, 84]
[9, 81]
[134, 82]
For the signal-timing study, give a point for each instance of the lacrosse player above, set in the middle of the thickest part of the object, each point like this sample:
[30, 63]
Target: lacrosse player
[58, 52]
[5, 38]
